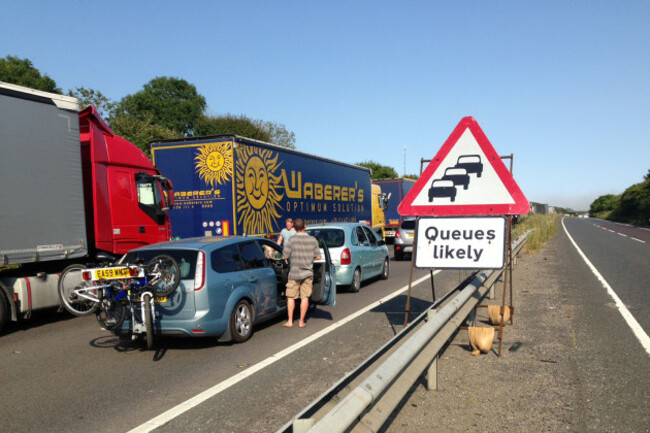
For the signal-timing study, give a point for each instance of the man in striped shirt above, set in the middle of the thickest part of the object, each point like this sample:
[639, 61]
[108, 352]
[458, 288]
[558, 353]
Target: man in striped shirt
[301, 250]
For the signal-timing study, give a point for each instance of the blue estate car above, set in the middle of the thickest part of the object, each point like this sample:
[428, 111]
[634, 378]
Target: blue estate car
[357, 252]
[228, 285]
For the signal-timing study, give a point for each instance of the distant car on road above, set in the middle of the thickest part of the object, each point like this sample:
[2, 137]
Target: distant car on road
[471, 163]
[457, 175]
[442, 188]
[358, 253]
[404, 239]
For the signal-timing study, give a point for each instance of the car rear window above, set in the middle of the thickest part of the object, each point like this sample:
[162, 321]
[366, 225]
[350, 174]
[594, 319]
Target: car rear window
[333, 238]
[186, 259]
[408, 225]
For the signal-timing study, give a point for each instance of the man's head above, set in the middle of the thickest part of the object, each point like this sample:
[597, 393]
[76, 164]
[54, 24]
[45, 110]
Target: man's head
[299, 224]
[289, 223]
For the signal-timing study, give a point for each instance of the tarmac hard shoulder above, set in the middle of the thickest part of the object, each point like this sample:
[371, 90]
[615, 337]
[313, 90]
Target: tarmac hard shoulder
[540, 387]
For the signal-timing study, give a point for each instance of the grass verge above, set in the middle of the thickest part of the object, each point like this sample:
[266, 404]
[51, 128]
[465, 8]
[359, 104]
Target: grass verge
[543, 228]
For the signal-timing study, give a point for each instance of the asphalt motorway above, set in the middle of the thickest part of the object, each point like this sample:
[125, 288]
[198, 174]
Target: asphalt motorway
[67, 374]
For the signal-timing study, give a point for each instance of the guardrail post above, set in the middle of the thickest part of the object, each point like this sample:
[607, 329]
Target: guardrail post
[432, 371]
[490, 294]
[302, 425]
[432, 375]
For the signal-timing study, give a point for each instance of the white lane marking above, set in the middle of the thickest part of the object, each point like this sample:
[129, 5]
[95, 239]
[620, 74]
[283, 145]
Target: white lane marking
[638, 331]
[621, 234]
[638, 240]
[211, 392]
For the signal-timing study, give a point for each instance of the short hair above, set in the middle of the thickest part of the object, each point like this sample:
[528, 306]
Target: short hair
[299, 224]
[289, 220]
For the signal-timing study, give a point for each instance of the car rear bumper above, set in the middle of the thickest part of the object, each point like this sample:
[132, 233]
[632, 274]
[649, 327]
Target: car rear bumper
[403, 248]
[195, 327]
[344, 275]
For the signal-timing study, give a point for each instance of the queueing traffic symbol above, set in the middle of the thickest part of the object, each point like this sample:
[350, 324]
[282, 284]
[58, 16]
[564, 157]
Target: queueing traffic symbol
[466, 177]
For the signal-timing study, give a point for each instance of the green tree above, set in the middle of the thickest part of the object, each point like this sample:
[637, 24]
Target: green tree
[278, 133]
[412, 176]
[230, 124]
[22, 72]
[95, 98]
[141, 131]
[379, 171]
[634, 204]
[604, 203]
[170, 102]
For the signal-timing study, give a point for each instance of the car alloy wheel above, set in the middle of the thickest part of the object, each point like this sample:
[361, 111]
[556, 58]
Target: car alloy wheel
[385, 270]
[356, 281]
[241, 321]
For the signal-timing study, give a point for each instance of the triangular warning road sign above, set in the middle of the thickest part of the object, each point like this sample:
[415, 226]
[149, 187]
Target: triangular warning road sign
[466, 177]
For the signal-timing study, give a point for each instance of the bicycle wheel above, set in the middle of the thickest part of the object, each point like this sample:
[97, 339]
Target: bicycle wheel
[111, 313]
[165, 275]
[77, 296]
[147, 316]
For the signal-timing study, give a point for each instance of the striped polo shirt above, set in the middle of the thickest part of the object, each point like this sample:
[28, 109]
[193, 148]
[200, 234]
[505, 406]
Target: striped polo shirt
[301, 250]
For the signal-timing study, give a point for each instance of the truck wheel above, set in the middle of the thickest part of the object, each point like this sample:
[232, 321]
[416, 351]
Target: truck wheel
[77, 295]
[356, 281]
[4, 310]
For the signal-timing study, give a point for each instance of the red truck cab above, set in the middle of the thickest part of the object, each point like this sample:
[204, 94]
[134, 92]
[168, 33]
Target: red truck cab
[126, 197]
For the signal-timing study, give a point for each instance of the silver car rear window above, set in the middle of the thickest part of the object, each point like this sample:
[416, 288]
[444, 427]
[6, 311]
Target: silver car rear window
[408, 225]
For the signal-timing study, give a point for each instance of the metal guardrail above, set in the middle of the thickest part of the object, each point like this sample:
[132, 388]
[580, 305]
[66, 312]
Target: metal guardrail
[364, 399]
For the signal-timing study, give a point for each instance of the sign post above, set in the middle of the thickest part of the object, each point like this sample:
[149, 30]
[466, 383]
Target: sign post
[463, 203]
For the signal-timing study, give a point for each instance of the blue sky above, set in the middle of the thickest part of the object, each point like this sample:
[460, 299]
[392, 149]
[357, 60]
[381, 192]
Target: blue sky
[563, 85]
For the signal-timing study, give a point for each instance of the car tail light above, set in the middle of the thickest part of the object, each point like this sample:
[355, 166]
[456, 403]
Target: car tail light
[133, 271]
[346, 257]
[87, 275]
[199, 275]
[397, 235]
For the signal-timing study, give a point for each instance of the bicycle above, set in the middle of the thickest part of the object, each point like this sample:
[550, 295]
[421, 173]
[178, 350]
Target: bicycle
[106, 291]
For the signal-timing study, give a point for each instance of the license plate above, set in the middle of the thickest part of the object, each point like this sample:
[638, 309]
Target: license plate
[410, 235]
[111, 273]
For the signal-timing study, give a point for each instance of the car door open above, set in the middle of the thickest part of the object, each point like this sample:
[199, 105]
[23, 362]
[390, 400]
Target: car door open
[324, 287]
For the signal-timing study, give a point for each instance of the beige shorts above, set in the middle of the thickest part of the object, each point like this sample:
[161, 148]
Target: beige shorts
[300, 288]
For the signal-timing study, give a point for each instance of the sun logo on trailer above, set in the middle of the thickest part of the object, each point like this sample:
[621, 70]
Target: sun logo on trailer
[214, 163]
[257, 185]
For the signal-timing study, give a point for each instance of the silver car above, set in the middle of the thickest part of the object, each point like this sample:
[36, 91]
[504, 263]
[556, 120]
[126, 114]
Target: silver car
[357, 252]
[404, 239]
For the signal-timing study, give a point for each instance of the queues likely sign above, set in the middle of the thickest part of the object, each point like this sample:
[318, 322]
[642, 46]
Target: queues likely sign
[466, 177]
[460, 243]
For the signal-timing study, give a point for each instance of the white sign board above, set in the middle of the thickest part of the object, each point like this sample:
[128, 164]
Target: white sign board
[460, 243]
